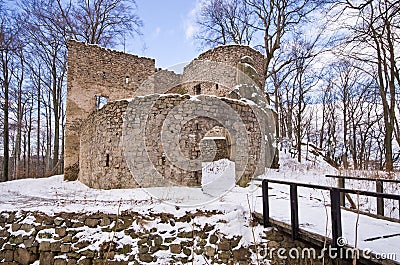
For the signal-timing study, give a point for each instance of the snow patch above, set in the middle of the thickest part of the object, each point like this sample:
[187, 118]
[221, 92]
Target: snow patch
[218, 177]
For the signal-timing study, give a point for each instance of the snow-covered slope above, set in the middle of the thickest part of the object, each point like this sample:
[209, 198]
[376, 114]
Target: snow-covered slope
[52, 195]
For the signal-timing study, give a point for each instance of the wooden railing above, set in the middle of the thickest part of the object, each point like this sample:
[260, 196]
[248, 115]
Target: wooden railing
[380, 205]
[335, 194]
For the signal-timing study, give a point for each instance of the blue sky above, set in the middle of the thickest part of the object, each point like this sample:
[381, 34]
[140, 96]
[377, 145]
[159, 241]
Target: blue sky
[168, 27]
[167, 31]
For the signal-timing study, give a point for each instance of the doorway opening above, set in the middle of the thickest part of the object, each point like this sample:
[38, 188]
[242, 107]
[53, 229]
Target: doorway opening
[218, 169]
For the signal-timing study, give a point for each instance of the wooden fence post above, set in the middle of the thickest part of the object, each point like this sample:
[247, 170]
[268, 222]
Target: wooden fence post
[380, 207]
[336, 217]
[294, 211]
[265, 203]
[341, 184]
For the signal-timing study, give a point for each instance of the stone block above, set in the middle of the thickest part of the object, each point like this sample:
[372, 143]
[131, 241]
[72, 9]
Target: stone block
[64, 248]
[46, 258]
[44, 246]
[15, 227]
[22, 256]
[143, 249]
[60, 262]
[9, 255]
[241, 254]
[175, 248]
[91, 222]
[61, 231]
[55, 246]
[209, 251]
[213, 239]
[224, 245]
[145, 257]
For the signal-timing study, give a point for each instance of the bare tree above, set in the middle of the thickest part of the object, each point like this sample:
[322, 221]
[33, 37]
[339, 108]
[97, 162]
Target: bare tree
[49, 43]
[33, 75]
[9, 45]
[374, 41]
[224, 21]
[104, 22]
[345, 81]
[263, 24]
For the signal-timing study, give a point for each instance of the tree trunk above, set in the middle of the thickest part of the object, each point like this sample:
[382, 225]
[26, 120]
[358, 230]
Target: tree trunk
[17, 151]
[6, 136]
[28, 168]
[354, 143]
[56, 108]
[48, 136]
[345, 125]
[38, 125]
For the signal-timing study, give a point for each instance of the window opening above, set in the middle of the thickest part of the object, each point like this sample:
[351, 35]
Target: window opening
[197, 89]
[100, 101]
[107, 160]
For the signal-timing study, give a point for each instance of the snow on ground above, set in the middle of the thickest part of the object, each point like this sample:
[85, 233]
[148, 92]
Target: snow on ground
[52, 195]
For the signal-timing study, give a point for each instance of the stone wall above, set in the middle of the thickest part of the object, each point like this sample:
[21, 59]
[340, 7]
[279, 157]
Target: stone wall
[213, 149]
[136, 129]
[216, 144]
[99, 238]
[92, 71]
[93, 150]
[162, 82]
[232, 54]
[218, 70]
[102, 163]
[76, 238]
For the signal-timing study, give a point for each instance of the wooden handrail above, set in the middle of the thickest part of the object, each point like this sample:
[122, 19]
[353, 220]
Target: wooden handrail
[334, 202]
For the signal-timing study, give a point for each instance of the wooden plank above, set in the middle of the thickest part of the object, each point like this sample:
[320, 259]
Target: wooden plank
[320, 187]
[367, 179]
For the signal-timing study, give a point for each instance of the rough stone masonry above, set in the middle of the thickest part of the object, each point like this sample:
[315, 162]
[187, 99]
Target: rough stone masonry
[215, 109]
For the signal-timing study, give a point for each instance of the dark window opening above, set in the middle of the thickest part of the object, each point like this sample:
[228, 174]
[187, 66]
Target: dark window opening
[100, 101]
[197, 89]
[216, 86]
[107, 160]
[163, 159]
[197, 176]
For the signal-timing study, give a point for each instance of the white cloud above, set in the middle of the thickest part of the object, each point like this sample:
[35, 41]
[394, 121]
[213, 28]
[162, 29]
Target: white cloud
[157, 32]
[190, 31]
[189, 23]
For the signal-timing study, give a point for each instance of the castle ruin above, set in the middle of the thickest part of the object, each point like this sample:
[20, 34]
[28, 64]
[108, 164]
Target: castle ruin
[130, 124]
